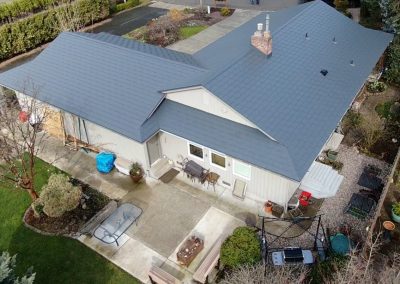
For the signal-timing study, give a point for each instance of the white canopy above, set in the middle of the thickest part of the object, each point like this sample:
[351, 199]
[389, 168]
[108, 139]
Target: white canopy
[321, 181]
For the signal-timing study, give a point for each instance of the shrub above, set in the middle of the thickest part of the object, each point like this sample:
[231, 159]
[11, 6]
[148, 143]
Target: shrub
[383, 109]
[242, 247]
[225, 11]
[7, 271]
[392, 74]
[396, 208]
[176, 15]
[376, 87]
[21, 8]
[352, 119]
[59, 196]
[30, 32]
[341, 5]
[123, 6]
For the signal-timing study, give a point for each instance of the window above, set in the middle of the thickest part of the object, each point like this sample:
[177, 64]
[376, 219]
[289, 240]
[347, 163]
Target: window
[241, 169]
[196, 151]
[218, 160]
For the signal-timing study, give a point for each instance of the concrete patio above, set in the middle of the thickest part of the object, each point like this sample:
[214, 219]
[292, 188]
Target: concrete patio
[171, 213]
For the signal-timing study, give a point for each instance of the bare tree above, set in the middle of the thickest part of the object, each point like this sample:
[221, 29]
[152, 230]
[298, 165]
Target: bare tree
[20, 140]
[69, 17]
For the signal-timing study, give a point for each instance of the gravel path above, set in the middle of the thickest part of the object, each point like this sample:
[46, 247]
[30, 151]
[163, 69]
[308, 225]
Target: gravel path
[332, 208]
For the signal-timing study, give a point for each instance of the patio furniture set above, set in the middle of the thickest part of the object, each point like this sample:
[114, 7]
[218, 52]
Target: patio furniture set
[194, 171]
[189, 250]
[363, 203]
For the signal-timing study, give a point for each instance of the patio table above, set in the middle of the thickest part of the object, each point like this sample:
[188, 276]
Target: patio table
[112, 228]
[195, 170]
[189, 250]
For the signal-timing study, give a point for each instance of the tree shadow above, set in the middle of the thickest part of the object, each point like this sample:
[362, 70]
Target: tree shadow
[62, 260]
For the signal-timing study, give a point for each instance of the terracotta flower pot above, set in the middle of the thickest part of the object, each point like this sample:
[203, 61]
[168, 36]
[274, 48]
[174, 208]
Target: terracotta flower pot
[136, 178]
[268, 207]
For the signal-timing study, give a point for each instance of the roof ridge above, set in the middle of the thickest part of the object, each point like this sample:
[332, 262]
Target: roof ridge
[296, 16]
[80, 35]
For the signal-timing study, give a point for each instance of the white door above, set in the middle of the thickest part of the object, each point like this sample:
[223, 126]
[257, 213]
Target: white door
[153, 149]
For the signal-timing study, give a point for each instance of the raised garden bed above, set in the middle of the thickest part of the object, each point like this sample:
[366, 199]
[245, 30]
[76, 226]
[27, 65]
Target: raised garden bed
[71, 222]
[177, 25]
[375, 126]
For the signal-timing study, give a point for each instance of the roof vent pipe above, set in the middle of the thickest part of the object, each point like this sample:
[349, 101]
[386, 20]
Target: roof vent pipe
[352, 63]
[324, 72]
[267, 23]
[334, 40]
[307, 37]
[260, 27]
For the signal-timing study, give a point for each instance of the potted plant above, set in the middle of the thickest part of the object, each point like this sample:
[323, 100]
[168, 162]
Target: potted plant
[136, 172]
[268, 207]
[396, 212]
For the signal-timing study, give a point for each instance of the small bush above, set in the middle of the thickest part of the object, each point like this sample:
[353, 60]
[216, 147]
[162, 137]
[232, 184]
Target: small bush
[352, 119]
[396, 208]
[59, 196]
[225, 11]
[242, 247]
[176, 15]
[376, 87]
[383, 109]
[123, 6]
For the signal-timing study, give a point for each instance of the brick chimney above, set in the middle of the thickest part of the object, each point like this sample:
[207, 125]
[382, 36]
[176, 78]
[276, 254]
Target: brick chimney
[262, 40]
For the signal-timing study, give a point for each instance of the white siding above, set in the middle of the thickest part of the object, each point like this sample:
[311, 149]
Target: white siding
[203, 100]
[108, 140]
[98, 136]
[264, 185]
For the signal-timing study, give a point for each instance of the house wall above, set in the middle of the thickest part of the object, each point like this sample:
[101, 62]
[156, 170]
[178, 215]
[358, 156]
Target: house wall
[263, 185]
[204, 100]
[99, 136]
[106, 139]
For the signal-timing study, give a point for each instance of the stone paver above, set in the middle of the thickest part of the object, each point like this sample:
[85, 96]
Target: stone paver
[211, 34]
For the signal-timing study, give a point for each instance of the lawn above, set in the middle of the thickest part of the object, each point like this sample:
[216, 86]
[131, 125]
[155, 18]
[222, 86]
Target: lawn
[55, 259]
[186, 32]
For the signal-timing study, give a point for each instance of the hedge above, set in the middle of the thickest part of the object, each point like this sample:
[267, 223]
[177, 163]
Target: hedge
[123, 6]
[30, 32]
[21, 8]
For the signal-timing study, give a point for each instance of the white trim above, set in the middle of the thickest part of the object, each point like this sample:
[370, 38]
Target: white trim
[239, 175]
[221, 101]
[218, 154]
[196, 145]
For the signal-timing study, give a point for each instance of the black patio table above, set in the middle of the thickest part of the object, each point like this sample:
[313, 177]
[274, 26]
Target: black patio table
[195, 170]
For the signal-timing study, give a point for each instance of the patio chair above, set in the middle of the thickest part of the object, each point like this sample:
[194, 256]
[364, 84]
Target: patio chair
[239, 189]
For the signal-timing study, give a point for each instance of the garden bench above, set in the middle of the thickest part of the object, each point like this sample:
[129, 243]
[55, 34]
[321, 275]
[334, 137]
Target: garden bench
[209, 262]
[159, 276]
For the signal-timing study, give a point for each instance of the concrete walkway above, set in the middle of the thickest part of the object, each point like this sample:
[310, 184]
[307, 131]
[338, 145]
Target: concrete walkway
[195, 43]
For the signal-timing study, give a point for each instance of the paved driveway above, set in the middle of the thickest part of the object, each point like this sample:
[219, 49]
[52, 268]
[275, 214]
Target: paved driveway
[130, 20]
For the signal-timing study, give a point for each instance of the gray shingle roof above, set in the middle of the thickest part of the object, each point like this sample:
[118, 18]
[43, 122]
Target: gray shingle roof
[222, 135]
[117, 83]
[285, 95]
[108, 80]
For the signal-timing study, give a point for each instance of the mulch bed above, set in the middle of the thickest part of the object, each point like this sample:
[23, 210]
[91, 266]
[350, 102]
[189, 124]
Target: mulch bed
[71, 221]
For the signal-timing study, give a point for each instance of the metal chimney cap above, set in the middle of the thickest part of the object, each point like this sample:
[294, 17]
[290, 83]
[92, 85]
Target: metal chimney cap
[260, 26]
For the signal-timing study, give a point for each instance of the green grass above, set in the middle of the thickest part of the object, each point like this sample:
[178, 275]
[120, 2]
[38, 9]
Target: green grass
[186, 32]
[54, 259]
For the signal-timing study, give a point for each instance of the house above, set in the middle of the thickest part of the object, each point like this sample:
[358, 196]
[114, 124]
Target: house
[257, 105]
